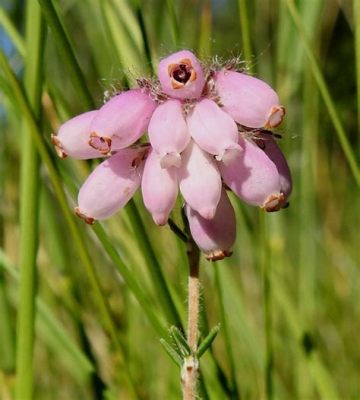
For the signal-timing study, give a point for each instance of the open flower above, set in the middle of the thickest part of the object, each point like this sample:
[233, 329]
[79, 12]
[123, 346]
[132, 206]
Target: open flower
[208, 130]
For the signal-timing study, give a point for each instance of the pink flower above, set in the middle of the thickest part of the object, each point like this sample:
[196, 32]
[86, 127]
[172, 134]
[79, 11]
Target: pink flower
[208, 131]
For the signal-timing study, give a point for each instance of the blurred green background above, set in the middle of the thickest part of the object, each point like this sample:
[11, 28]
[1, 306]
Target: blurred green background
[288, 298]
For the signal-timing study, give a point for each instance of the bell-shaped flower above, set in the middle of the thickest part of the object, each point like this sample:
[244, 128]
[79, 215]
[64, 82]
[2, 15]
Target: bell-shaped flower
[159, 188]
[121, 121]
[168, 132]
[72, 138]
[214, 130]
[199, 180]
[268, 144]
[250, 101]
[181, 75]
[254, 178]
[215, 236]
[111, 185]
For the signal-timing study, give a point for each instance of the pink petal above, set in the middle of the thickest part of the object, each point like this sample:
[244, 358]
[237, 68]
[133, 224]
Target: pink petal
[268, 144]
[159, 189]
[200, 182]
[111, 185]
[73, 138]
[181, 75]
[213, 130]
[215, 236]
[254, 178]
[168, 132]
[250, 101]
[122, 120]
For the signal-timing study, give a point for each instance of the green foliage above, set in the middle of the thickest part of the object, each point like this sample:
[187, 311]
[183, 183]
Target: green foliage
[103, 296]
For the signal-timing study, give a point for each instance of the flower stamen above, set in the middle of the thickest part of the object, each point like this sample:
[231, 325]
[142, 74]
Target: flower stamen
[181, 73]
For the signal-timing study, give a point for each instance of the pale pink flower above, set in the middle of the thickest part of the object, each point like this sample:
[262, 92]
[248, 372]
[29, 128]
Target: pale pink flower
[208, 132]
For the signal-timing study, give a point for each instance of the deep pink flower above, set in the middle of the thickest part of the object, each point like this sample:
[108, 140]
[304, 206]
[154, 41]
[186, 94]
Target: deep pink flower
[208, 131]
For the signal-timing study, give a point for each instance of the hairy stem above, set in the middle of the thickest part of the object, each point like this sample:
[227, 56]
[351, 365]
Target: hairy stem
[189, 372]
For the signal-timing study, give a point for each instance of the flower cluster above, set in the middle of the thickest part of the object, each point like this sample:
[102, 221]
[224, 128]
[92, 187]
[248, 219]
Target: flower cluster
[208, 132]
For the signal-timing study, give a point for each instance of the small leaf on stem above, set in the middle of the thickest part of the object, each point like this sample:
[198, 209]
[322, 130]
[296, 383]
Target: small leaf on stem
[206, 343]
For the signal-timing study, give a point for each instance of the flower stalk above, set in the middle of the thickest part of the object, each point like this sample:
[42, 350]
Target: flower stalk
[190, 368]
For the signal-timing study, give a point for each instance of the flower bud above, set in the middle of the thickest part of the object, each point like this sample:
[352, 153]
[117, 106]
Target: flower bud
[213, 130]
[215, 236]
[159, 188]
[254, 178]
[199, 180]
[73, 138]
[168, 132]
[181, 75]
[111, 185]
[268, 144]
[250, 101]
[121, 121]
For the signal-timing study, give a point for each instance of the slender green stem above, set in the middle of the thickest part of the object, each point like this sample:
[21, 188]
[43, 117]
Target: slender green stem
[130, 280]
[356, 4]
[141, 21]
[158, 279]
[307, 243]
[29, 207]
[225, 330]
[66, 52]
[173, 21]
[266, 270]
[323, 88]
[245, 29]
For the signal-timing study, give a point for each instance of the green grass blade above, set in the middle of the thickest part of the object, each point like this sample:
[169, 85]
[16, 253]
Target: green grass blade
[12, 32]
[225, 328]
[75, 232]
[66, 52]
[157, 275]
[51, 329]
[356, 7]
[29, 207]
[245, 30]
[323, 88]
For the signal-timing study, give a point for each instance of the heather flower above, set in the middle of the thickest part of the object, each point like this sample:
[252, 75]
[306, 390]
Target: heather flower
[207, 132]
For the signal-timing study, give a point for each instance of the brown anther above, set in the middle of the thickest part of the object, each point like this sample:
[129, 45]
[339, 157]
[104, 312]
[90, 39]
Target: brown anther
[218, 255]
[88, 220]
[58, 146]
[274, 202]
[100, 143]
[276, 116]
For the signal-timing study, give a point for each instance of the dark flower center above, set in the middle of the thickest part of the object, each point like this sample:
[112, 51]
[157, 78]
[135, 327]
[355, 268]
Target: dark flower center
[182, 73]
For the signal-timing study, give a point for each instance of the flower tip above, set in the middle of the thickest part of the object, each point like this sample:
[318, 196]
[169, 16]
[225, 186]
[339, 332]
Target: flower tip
[275, 202]
[207, 212]
[160, 219]
[58, 146]
[84, 217]
[218, 255]
[100, 143]
[276, 116]
[229, 154]
[170, 160]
